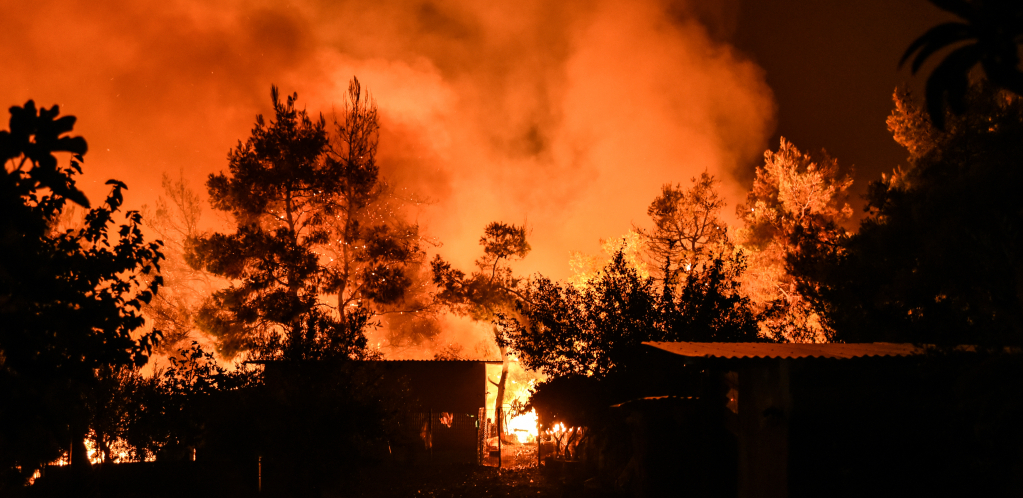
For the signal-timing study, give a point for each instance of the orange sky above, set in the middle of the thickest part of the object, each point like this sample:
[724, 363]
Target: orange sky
[568, 115]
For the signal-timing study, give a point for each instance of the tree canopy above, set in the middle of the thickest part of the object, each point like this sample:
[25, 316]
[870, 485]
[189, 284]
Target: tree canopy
[492, 288]
[70, 300]
[687, 228]
[937, 259]
[313, 219]
[797, 203]
[993, 31]
[564, 330]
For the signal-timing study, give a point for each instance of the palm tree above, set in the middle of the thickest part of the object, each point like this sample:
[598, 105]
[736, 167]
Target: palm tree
[995, 28]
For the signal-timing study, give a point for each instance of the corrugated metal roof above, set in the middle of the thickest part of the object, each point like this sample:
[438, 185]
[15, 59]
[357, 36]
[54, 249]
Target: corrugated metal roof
[769, 350]
[489, 362]
[655, 398]
[498, 362]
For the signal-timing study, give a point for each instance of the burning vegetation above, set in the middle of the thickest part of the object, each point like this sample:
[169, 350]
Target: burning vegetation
[321, 253]
[275, 341]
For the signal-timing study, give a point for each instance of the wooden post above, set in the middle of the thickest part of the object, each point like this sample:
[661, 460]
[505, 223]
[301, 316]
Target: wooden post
[260, 487]
[430, 433]
[500, 423]
[539, 442]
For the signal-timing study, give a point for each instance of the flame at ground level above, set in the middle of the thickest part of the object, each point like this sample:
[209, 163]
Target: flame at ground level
[523, 426]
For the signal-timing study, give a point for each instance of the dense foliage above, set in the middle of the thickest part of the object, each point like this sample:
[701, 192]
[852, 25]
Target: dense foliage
[312, 221]
[164, 416]
[797, 203]
[565, 330]
[70, 299]
[992, 32]
[938, 259]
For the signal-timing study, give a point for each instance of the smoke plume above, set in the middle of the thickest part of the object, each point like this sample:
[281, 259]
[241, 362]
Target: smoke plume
[568, 116]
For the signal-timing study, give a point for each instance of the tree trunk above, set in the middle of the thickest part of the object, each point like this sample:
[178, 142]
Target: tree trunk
[79, 453]
[500, 392]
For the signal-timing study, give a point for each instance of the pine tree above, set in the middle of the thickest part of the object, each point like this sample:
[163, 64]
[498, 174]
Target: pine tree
[312, 219]
[490, 292]
[797, 202]
[687, 228]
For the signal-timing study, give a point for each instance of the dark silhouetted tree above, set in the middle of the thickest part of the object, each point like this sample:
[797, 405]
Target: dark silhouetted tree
[563, 330]
[994, 29]
[491, 290]
[313, 220]
[937, 260]
[271, 258]
[70, 299]
[167, 415]
[373, 255]
[588, 339]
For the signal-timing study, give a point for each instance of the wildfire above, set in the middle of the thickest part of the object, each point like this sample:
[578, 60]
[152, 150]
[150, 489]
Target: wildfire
[523, 427]
[118, 454]
[558, 428]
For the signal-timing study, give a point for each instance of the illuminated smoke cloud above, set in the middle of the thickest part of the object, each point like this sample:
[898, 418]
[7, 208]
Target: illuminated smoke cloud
[568, 115]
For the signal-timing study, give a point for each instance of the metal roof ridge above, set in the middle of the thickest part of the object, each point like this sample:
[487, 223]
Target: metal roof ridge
[742, 350]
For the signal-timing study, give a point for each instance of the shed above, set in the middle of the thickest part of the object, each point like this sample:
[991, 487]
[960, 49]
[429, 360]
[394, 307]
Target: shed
[822, 419]
[444, 399]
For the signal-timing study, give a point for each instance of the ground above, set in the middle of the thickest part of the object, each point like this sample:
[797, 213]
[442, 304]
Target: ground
[427, 476]
[519, 477]
[455, 481]
[387, 480]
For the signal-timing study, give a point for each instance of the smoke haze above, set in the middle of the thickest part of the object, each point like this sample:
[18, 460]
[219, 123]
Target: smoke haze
[568, 116]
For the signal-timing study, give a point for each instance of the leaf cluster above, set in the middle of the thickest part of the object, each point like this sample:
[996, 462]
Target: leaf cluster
[34, 136]
[994, 32]
[565, 330]
[70, 300]
[492, 288]
[937, 259]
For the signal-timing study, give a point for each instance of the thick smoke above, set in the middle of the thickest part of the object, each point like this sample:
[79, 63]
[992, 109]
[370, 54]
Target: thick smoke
[565, 115]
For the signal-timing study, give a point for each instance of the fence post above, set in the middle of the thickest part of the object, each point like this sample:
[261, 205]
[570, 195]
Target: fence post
[500, 426]
[482, 433]
[539, 442]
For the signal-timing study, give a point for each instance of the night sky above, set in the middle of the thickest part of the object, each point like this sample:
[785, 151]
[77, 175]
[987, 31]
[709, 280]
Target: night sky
[833, 67]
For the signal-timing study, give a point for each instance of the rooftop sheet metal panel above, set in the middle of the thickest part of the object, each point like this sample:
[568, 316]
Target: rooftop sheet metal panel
[489, 362]
[767, 350]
